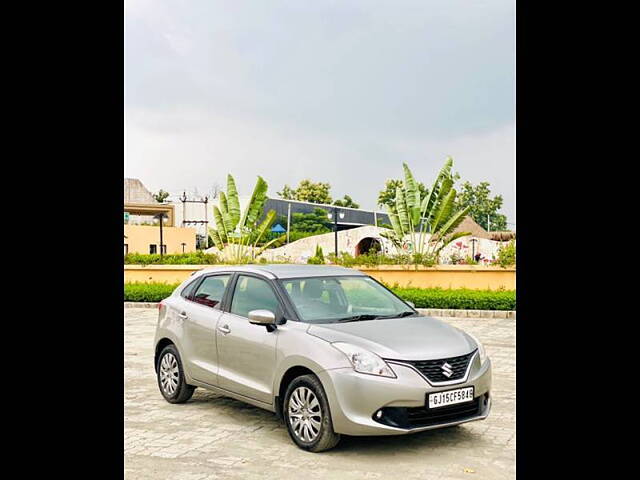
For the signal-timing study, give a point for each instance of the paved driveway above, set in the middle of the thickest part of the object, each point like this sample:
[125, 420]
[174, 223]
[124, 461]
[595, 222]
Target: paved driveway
[216, 437]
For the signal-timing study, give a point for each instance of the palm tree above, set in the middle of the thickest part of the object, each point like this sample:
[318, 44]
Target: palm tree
[415, 216]
[238, 233]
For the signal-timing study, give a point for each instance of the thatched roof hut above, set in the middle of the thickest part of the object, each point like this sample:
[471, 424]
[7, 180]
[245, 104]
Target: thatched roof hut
[470, 225]
[502, 236]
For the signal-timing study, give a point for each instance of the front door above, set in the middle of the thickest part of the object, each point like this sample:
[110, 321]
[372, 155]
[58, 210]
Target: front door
[202, 314]
[246, 352]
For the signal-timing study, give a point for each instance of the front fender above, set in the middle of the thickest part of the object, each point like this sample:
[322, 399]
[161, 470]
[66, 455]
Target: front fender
[296, 348]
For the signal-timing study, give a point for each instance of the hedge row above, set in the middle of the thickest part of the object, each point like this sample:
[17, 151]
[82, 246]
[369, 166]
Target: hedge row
[147, 292]
[196, 258]
[422, 297]
[461, 299]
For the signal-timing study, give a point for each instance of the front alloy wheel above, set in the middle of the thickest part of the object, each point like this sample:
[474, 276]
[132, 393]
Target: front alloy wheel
[307, 415]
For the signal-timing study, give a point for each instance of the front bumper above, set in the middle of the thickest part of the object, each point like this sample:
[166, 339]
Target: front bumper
[354, 398]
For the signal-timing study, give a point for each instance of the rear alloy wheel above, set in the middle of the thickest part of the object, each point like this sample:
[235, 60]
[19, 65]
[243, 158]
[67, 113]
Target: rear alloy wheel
[307, 416]
[171, 380]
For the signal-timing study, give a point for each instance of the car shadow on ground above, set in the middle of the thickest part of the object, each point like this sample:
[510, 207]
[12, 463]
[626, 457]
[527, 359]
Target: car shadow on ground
[390, 444]
[367, 445]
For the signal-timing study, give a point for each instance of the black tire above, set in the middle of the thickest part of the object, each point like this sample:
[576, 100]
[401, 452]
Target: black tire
[182, 391]
[326, 437]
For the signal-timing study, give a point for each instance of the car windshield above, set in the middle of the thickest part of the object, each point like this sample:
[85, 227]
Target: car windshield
[343, 299]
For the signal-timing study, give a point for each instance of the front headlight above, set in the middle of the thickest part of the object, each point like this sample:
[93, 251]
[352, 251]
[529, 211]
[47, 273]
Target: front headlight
[481, 351]
[364, 361]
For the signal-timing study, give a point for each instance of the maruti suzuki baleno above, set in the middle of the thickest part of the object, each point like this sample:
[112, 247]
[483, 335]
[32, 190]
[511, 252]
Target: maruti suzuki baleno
[328, 349]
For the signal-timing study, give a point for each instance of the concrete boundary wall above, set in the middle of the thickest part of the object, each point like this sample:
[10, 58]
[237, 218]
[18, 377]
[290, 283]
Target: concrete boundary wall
[475, 277]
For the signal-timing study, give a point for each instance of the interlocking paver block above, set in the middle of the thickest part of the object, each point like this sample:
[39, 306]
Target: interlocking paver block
[213, 437]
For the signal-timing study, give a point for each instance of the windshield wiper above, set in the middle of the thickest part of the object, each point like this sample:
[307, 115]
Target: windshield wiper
[369, 316]
[355, 318]
[399, 315]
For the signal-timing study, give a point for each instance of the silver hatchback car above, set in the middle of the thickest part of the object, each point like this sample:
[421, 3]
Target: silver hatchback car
[330, 350]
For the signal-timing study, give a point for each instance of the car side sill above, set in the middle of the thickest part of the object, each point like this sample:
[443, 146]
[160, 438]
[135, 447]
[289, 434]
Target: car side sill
[237, 396]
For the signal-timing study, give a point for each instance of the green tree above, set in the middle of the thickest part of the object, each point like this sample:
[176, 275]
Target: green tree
[482, 207]
[412, 215]
[308, 191]
[237, 231]
[287, 193]
[387, 197]
[315, 221]
[161, 196]
[346, 201]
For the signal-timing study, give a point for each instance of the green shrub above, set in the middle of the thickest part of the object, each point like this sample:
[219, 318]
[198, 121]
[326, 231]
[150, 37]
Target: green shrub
[507, 254]
[318, 258]
[463, 299]
[373, 259]
[422, 297]
[147, 292]
[195, 258]
[424, 259]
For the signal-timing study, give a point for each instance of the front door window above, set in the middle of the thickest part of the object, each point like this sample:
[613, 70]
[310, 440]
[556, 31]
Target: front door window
[253, 294]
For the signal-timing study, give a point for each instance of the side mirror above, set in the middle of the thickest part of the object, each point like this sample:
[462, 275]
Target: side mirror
[262, 317]
[411, 304]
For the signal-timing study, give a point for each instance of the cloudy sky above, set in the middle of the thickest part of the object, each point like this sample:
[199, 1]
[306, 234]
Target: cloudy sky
[340, 91]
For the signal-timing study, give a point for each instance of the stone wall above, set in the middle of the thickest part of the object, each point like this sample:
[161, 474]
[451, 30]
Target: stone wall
[463, 248]
[300, 250]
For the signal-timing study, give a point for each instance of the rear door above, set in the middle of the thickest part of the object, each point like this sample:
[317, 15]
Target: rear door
[200, 318]
[247, 352]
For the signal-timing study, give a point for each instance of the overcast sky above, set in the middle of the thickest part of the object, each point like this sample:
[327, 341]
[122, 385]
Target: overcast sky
[340, 91]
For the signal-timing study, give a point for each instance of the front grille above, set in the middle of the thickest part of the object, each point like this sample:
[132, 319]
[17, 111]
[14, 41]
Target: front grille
[432, 369]
[416, 417]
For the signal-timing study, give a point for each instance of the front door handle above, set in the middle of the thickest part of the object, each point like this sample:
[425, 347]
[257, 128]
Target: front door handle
[224, 329]
[183, 316]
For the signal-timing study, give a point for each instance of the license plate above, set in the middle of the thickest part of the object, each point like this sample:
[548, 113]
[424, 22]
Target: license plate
[450, 397]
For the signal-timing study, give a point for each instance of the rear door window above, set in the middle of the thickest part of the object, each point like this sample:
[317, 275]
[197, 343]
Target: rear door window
[188, 290]
[211, 290]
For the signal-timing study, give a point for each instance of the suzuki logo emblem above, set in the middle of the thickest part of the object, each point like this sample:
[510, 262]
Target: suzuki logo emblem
[446, 370]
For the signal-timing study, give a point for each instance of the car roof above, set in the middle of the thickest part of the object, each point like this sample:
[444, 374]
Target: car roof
[287, 270]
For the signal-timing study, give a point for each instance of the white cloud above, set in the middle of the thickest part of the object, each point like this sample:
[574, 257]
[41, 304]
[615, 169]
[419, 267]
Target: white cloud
[334, 91]
[191, 148]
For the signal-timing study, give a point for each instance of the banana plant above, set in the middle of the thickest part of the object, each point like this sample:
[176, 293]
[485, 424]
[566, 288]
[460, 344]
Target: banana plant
[415, 217]
[238, 232]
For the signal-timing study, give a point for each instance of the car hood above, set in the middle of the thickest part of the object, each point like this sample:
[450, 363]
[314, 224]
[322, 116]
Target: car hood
[410, 338]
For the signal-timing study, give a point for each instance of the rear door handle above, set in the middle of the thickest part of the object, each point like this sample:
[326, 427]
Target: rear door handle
[183, 316]
[224, 329]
